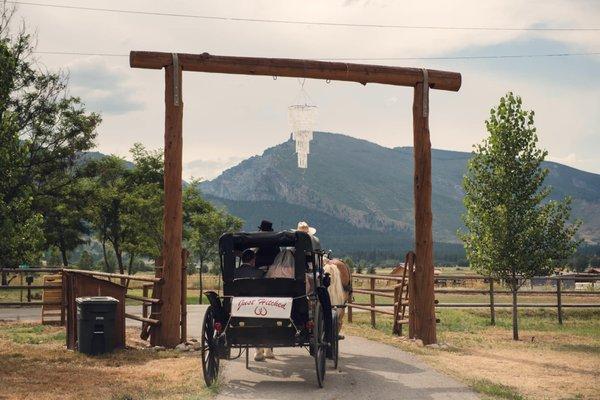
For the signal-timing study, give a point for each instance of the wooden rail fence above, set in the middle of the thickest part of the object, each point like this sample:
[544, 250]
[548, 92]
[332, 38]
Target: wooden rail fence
[123, 279]
[367, 284]
[28, 286]
[376, 286]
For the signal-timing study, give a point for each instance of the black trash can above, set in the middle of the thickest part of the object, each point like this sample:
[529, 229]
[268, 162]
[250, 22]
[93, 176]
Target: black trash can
[96, 324]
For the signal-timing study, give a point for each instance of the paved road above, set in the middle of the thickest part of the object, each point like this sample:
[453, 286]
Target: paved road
[367, 370]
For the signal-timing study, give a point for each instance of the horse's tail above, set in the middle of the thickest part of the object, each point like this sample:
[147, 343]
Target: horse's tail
[335, 289]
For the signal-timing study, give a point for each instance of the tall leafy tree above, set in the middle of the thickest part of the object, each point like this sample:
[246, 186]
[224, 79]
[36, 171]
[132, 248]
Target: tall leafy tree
[107, 182]
[513, 231]
[42, 132]
[127, 205]
[203, 226]
[65, 216]
[143, 205]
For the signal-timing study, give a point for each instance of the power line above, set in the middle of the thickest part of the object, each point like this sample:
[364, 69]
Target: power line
[490, 57]
[299, 22]
[76, 53]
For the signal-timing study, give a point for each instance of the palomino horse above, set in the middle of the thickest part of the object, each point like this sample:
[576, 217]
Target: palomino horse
[340, 289]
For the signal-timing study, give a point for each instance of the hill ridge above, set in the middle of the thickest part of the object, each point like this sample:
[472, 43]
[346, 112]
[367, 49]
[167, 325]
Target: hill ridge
[369, 187]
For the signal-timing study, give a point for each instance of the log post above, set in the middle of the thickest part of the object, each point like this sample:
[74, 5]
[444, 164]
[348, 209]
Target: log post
[372, 301]
[349, 313]
[167, 334]
[184, 257]
[396, 327]
[425, 325]
[145, 305]
[559, 300]
[492, 306]
[412, 311]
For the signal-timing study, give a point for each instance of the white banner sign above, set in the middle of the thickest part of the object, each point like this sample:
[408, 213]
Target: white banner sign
[262, 307]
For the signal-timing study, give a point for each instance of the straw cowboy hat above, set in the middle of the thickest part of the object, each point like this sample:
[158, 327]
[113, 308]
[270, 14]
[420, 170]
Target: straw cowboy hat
[304, 227]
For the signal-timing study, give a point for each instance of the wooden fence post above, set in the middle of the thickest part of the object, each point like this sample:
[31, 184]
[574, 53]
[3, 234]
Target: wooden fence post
[559, 300]
[372, 301]
[184, 256]
[412, 308]
[397, 328]
[349, 314]
[145, 305]
[29, 289]
[201, 286]
[492, 308]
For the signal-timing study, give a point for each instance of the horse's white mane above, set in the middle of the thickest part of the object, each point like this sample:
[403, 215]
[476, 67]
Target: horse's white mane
[336, 289]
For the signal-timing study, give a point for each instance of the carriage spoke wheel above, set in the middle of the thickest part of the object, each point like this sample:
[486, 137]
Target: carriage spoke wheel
[210, 357]
[335, 340]
[319, 344]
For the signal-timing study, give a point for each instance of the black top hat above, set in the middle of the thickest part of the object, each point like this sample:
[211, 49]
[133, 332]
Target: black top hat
[265, 226]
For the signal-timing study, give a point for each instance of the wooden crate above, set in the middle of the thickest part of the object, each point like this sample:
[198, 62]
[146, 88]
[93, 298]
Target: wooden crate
[53, 313]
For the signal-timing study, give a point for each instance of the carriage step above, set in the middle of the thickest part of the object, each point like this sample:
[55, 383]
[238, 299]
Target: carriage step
[341, 337]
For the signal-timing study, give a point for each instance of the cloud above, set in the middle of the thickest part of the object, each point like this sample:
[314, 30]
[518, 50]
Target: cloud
[102, 87]
[230, 116]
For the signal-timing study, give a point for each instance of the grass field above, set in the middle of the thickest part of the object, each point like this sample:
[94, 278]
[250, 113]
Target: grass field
[35, 364]
[549, 362]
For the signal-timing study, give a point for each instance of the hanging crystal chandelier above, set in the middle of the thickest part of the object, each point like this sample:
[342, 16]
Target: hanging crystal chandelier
[302, 119]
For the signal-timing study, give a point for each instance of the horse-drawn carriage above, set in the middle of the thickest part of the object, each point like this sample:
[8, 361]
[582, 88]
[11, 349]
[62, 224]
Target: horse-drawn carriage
[270, 312]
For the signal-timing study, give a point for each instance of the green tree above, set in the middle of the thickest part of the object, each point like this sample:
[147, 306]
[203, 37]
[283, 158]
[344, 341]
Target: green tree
[42, 131]
[107, 182]
[53, 257]
[143, 205]
[108, 263]
[514, 231]
[350, 263]
[65, 215]
[203, 226]
[85, 261]
[128, 203]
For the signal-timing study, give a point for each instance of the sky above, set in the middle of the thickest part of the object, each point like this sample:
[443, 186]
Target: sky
[228, 118]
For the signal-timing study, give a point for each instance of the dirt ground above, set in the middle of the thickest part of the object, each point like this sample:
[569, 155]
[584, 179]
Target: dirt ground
[34, 364]
[542, 365]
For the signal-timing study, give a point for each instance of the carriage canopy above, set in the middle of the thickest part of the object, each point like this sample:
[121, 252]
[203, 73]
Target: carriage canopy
[306, 249]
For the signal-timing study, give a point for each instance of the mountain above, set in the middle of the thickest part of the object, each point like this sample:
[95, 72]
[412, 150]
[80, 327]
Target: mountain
[360, 195]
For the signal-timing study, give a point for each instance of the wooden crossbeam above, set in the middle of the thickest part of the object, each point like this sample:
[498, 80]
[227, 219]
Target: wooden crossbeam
[298, 68]
[172, 309]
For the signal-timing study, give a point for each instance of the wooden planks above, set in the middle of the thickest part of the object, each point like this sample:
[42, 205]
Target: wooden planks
[52, 297]
[77, 284]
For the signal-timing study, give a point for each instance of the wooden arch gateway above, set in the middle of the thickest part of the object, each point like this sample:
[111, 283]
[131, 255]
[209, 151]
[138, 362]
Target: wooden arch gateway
[169, 308]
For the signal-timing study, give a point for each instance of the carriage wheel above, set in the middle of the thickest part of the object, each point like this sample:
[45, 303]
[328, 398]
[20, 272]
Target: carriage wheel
[319, 344]
[210, 356]
[335, 340]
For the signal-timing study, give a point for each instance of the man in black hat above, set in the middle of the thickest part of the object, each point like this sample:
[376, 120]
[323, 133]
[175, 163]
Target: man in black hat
[266, 255]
